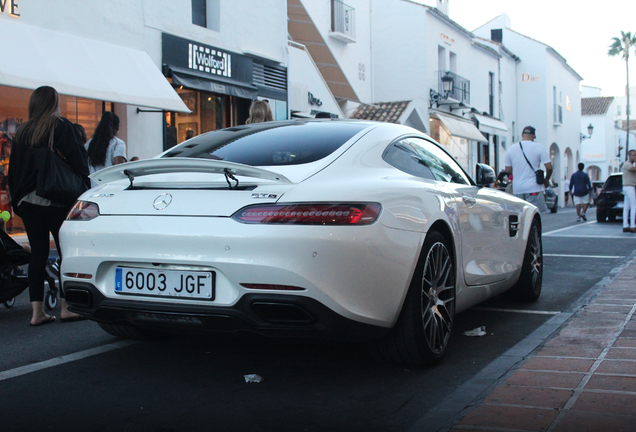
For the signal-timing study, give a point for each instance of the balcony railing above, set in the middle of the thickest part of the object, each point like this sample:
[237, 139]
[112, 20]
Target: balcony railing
[343, 21]
[461, 86]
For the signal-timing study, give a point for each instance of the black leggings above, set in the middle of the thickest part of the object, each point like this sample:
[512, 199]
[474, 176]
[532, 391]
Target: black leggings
[38, 222]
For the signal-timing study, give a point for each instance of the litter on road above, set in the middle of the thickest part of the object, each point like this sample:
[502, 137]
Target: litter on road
[479, 331]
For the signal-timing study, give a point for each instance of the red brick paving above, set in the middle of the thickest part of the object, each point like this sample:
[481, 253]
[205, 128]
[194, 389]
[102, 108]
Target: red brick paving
[582, 380]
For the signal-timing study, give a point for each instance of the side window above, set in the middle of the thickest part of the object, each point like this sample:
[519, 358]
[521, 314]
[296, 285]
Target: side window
[403, 156]
[443, 167]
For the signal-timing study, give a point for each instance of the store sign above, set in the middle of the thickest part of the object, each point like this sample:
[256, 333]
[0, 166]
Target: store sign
[526, 77]
[10, 6]
[206, 60]
[209, 60]
[448, 38]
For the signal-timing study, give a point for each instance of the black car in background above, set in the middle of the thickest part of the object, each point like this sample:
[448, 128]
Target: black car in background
[609, 203]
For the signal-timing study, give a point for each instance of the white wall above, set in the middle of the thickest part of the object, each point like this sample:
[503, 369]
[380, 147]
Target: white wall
[353, 58]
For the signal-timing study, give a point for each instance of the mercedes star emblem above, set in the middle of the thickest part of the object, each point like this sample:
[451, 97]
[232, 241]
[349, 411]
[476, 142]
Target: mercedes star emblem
[162, 201]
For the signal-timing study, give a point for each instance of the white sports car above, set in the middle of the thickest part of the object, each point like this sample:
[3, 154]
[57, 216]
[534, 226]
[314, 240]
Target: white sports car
[333, 228]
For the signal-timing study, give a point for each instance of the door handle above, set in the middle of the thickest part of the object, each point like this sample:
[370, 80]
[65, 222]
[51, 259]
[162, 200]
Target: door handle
[468, 200]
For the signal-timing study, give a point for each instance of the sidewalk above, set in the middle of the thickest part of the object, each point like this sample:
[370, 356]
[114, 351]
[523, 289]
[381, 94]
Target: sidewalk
[583, 379]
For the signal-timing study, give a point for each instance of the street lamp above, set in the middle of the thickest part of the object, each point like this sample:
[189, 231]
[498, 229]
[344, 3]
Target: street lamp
[448, 85]
[590, 129]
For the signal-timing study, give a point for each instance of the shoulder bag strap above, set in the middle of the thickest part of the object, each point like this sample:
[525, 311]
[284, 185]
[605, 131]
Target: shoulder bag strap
[524, 155]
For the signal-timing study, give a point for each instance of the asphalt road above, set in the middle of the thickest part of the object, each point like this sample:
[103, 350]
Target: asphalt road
[73, 376]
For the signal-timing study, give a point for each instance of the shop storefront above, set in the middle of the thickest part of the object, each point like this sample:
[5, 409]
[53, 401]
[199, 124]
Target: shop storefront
[91, 77]
[218, 86]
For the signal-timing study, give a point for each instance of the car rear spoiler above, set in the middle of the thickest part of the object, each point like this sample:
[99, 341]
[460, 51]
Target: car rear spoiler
[146, 167]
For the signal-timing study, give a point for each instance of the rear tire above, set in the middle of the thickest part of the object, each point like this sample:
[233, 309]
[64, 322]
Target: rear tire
[423, 329]
[600, 216]
[129, 331]
[528, 287]
[9, 303]
[556, 206]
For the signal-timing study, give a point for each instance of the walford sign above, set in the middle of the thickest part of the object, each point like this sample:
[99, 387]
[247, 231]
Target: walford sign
[206, 60]
[10, 6]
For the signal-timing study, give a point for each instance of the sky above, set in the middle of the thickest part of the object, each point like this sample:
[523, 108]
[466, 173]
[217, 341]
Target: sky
[579, 30]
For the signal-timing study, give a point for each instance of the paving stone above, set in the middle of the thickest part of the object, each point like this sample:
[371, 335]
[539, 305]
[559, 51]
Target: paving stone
[578, 421]
[612, 382]
[610, 403]
[589, 342]
[625, 342]
[530, 397]
[621, 353]
[558, 380]
[617, 367]
[629, 333]
[570, 351]
[532, 419]
[558, 364]
[609, 308]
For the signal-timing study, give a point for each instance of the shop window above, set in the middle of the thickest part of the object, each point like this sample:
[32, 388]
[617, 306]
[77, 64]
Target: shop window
[14, 110]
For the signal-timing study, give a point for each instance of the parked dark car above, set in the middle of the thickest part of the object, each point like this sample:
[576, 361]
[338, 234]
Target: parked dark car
[609, 203]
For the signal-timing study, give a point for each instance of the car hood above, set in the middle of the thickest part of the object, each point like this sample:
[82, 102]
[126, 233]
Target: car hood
[183, 187]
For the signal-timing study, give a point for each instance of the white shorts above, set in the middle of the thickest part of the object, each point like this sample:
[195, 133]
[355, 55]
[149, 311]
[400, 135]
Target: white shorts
[585, 199]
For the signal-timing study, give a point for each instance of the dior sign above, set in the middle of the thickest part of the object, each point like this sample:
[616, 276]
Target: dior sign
[209, 60]
[11, 7]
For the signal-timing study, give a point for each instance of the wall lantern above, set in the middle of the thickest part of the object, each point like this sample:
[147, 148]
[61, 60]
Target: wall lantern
[590, 129]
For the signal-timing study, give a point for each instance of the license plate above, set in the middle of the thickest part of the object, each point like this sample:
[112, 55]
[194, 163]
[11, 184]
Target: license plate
[164, 283]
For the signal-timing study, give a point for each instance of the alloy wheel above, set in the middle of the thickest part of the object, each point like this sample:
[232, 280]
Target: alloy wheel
[438, 298]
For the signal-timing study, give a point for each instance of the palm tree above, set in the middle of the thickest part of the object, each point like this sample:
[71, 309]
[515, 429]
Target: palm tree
[622, 45]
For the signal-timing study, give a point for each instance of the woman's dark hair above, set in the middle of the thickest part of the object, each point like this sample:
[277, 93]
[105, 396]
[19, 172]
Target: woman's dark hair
[105, 131]
[44, 110]
[81, 132]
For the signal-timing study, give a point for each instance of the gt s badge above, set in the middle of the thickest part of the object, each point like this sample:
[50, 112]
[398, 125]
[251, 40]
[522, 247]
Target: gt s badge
[162, 201]
[100, 195]
[263, 196]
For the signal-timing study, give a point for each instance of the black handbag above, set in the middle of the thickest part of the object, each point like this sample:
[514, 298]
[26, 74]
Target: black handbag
[57, 180]
[540, 174]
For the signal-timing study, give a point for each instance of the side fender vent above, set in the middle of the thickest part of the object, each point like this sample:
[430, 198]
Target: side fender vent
[513, 220]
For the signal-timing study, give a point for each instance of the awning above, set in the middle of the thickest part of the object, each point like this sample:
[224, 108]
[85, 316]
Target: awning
[218, 84]
[460, 127]
[31, 57]
[487, 124]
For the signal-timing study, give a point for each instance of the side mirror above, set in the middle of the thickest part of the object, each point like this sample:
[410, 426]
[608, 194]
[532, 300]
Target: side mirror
[554, 185]
[485, 175]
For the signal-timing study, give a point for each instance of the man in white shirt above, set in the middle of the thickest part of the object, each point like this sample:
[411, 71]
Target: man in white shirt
[522, 161]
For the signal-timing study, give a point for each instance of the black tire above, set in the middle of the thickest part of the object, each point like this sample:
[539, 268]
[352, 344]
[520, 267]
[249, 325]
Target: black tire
[423, 329]
[612, 218]
[9, 303]
[50, 301]
[600, 216]
[528, 287]
[129, 331]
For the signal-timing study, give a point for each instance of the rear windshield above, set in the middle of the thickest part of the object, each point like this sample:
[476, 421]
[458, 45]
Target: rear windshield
[270, 144]
[614, 183]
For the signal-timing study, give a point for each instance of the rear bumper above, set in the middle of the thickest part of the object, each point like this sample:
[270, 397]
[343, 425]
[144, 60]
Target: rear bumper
[266, 314]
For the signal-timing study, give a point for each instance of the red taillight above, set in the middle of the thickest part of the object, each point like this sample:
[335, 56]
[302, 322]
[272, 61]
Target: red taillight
[83, 211]
[310, 214]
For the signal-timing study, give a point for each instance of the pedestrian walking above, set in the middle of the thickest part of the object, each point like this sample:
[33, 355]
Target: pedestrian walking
[629, 191]
[260, 112]
[105, 149]
[45, 128]
[580, 189]
[524, 160]
[566, 194]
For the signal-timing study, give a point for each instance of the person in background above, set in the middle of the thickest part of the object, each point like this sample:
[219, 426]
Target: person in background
[523, 160]
[105, 149]
[260, 112]
[81, 132]
[40, 215]
[629, 191]
[580, 189]
[566, 194]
